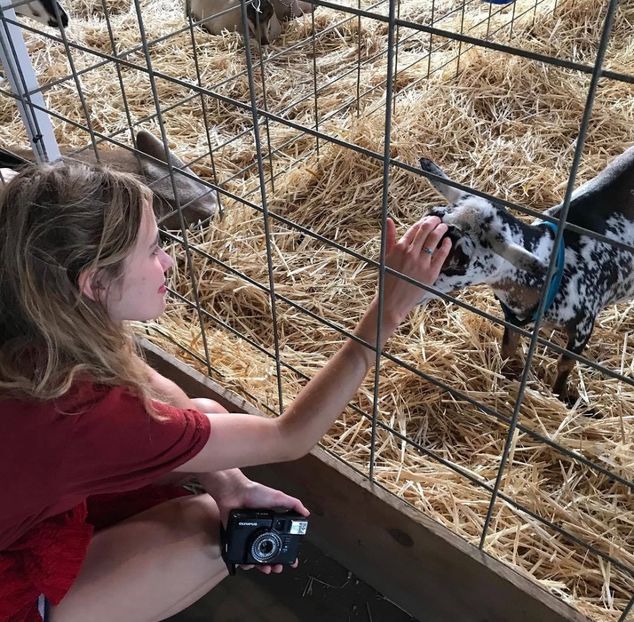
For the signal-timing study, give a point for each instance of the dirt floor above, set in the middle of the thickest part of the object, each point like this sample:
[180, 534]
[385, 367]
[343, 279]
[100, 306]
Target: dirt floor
[319, 590]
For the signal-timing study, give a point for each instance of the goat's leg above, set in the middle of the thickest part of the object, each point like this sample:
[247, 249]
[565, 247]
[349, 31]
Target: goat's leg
[512, 366]
[290, 10]
[576, 343]
[302, 7]
[565, 365]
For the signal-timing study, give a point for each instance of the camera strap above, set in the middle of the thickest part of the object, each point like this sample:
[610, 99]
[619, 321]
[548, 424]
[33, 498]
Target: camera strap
[224, 546]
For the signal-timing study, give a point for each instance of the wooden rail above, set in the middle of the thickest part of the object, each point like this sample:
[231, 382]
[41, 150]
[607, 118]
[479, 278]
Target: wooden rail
[420, 565]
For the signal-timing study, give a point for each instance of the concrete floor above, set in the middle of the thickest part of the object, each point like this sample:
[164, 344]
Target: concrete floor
[320, 590]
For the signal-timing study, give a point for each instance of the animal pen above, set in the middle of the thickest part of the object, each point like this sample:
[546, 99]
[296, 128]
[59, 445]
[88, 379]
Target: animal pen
[311, 142]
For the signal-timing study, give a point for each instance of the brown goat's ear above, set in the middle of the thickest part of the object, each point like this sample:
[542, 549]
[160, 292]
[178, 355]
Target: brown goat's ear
[157, 173]
[197, 200]
[152, 146]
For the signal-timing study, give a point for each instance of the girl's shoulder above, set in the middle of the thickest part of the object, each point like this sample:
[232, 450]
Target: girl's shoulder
[82, 398]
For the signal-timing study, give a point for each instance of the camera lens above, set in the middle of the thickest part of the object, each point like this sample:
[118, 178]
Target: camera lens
[265, 547]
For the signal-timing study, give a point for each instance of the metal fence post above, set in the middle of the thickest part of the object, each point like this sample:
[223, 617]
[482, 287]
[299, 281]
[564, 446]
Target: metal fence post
[15, 60]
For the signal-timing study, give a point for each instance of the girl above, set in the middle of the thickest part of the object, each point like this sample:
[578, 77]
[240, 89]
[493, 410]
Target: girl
[92, 439]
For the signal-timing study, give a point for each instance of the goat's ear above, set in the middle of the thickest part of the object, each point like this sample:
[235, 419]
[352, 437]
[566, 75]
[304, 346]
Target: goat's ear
[195, 197]
[449, 192]
[157, 173]
[515, 254]
[152, 146]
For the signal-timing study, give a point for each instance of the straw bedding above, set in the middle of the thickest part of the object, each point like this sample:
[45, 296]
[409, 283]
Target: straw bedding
[503, 124]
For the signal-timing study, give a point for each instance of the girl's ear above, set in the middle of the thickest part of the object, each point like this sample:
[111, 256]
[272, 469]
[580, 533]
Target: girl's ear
[88, 284]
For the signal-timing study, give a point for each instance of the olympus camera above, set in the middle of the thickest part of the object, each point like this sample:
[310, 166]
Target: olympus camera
[262, 537]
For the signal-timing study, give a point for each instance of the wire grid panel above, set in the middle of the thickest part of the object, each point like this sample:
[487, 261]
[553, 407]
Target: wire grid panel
[311, 143]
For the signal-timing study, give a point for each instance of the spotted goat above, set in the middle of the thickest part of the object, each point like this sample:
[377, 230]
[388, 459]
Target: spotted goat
[490, 246]
[47, 12]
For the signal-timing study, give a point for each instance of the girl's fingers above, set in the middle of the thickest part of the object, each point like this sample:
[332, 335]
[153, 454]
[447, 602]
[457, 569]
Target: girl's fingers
[390, 236]
[287, 502]
[408, 236]
[299, 507]
[412, 232]
[268, 569]
[427, 226]
[441, 254]
[433, 238]
[302, 509]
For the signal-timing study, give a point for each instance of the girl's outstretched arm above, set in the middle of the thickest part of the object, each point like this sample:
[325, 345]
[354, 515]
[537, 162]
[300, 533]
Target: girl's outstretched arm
[239, 440]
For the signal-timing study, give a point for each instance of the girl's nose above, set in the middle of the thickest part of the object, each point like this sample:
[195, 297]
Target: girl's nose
[166, 261]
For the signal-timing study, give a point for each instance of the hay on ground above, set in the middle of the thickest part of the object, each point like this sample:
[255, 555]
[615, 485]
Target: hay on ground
[504, 124]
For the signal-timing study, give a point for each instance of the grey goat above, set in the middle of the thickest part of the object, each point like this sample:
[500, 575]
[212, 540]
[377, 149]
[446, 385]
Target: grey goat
[264, 16]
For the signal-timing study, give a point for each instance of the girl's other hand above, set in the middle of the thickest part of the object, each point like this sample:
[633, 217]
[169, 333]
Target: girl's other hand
[257, 496]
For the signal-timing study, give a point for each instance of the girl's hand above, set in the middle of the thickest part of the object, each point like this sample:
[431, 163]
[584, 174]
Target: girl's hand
[418, 255]
[257, 496]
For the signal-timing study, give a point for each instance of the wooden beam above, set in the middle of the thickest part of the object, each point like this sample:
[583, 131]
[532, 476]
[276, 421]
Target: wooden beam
[420, 565]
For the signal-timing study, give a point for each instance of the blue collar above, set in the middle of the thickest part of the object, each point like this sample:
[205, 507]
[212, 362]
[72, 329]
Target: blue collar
[555, 283]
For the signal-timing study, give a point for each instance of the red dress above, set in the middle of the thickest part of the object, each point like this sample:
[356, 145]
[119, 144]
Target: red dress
[68, 467]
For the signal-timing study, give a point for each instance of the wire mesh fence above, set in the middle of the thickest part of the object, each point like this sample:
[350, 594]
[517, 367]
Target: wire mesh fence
[306, 145]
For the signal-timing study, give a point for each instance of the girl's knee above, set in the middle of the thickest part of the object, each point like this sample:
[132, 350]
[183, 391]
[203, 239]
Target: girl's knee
[202, 511]
[206, 405]
[194, 517]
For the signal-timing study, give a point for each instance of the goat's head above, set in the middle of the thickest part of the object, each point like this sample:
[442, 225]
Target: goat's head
[481, 234]
[196, 200]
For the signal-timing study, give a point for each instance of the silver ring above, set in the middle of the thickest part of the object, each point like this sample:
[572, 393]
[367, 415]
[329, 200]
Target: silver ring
[429, 251]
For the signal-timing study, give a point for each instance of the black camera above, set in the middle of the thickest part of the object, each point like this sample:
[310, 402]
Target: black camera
[261, 537]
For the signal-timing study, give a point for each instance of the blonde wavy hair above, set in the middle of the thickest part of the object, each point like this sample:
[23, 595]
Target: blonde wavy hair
[57, 221]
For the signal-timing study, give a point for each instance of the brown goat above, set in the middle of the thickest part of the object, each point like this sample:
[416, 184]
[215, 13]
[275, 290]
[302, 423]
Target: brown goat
[197, 201]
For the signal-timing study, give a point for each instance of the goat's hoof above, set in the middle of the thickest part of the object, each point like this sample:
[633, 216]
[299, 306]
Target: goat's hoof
[592, 413]
[512, 370]
[572, 399]
[568, 400]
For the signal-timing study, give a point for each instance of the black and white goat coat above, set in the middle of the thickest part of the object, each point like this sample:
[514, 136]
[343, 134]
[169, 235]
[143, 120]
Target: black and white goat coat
[491, 246]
